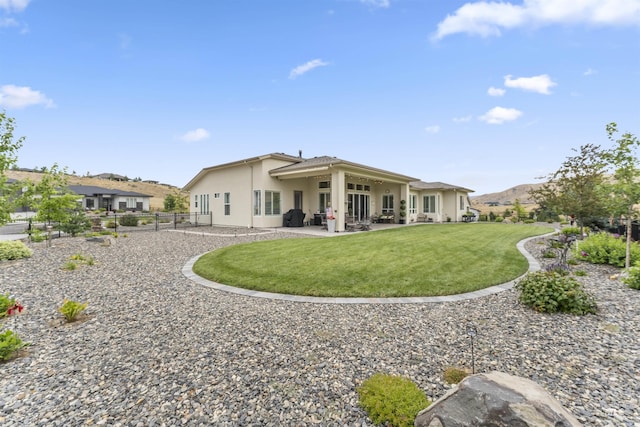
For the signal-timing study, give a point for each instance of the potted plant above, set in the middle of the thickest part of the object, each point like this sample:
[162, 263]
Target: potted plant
[403, 211]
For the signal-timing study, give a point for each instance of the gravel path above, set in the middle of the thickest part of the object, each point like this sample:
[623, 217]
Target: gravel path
[158, 350]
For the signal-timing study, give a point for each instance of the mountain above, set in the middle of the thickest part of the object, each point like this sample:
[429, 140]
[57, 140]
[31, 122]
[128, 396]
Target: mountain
[157, 191]
[505, 198]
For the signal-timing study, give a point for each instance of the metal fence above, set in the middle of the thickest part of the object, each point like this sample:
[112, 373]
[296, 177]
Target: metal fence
[114, 222]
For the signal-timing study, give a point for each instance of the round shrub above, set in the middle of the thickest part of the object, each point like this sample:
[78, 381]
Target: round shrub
[129, 220]
[632, 277]
[605, 248]
[392, 400]
[550, 292]
[14, 249]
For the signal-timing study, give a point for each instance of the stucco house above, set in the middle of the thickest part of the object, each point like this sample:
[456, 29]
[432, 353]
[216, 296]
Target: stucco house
[257, 191]
[110, 199]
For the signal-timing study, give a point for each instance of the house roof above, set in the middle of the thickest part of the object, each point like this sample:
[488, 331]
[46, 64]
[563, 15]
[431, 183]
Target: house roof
[421, 185]
[93, 191]
[317, 164]
[277, 156]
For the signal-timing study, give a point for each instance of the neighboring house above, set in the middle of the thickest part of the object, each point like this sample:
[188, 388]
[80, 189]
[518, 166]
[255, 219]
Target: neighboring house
[110, 176]
[110, 199]
[257, 191]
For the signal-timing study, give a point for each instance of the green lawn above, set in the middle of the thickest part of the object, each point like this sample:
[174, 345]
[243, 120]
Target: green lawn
[421, 260]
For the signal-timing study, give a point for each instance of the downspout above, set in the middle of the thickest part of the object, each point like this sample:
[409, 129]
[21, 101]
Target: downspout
[251, 199]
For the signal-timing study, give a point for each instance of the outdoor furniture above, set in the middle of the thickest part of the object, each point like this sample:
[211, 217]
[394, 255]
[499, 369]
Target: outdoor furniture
[468, 218]
[387, 217]
[293, 218]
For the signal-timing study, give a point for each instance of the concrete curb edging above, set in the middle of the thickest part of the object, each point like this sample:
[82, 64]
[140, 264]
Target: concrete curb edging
[534, 265]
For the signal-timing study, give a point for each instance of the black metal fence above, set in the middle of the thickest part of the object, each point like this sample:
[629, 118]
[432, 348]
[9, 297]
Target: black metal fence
[118, 222]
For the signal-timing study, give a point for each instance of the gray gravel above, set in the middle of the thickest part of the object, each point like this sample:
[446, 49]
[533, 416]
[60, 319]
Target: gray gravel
[158, 350]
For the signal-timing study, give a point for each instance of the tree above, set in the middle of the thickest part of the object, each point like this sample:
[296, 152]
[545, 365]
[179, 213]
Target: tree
[8, 159]
[624, 190]
[50, 197]
[175, 202]
[576, 188]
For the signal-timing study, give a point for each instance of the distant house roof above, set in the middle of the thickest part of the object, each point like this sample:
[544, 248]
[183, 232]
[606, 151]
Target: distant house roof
[111, 176]
[421, 185]
[93, 191]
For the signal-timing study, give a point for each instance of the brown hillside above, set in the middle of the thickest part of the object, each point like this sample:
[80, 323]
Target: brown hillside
[157, 191]
[505, 199]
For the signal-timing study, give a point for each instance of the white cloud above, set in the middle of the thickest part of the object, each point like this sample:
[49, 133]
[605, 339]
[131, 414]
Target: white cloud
[195, 135]
[486, 19]
[305, 68]
[462, 119]
[8, 22]
[495, 91]
[499, 115]
[539, 84]
[17, 97]
[589, 72]
[14, 5]
[377, 3]
[432, 129]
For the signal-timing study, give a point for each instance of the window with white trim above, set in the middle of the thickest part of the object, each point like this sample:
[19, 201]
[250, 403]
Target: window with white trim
[227, 204]
[387, 203]
[257, 202]
[131, 202]
[272, 203]
[413, 204]
[429, 204]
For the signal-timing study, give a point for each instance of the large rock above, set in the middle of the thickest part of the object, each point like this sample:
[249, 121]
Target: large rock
[496, 399]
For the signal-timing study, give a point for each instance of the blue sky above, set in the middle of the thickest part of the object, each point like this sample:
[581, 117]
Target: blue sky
[479, 94]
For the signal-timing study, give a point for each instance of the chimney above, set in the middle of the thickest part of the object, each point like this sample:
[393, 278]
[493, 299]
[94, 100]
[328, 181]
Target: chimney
[300, 153]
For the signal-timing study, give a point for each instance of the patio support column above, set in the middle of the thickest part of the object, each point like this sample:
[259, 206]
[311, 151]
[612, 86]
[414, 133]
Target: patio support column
[338, 197]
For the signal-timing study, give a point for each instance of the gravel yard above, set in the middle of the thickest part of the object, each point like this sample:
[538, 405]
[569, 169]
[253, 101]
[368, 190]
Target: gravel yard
[156, 349]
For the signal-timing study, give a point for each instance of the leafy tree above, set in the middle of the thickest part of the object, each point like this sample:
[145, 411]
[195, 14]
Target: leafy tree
[8, 159]
[76, 223]
[50, 197]
[624, 190]
[519, 210]
[175, 202]
[576, 188]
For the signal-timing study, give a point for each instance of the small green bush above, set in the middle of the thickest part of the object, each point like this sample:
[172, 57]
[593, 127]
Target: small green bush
[632, 278]
[110, 224]
[548, 254]
[392, 400]
[499, 219]
[575, 231]
[14, 249]
[37, 235]
[550, 292]
[71, 309]
[605, 248]
[76, 224]
[454, 375]
[529, 221]
[129, 220]
[9, 344]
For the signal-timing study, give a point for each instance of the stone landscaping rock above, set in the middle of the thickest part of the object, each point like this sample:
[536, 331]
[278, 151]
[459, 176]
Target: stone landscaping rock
[499, 400]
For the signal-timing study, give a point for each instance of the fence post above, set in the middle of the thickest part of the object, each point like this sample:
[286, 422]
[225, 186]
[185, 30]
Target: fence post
[157, 219]
[175, 220]
[115, 222]
[196, 215]
[211, 218]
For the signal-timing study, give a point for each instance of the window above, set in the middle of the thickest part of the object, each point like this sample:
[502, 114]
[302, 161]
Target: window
[461, 203]
[227, 204]
[324, 184]
[216, 195]
[195, 201]
[272, 203]
[387, 203]
[257, 203]
[429, 204]
[413, 204]
[323, 201]
[204, 204]
[131, 202]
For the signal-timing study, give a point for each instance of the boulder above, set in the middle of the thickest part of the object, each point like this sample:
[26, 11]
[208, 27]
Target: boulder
[499, 400]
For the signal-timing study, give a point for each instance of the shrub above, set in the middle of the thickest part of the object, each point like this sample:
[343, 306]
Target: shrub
[454, 375]
[76, 224]
[499, 219]
[71, 309]
[548, 254]
[632, 278]
[9, 343]
[129, 220]
[605, 248]
[392, 399]
[37, 235]
[70, 266]
[572, 231]
[550, 292]
[110, 224]
[529, 221]
[14, 249]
